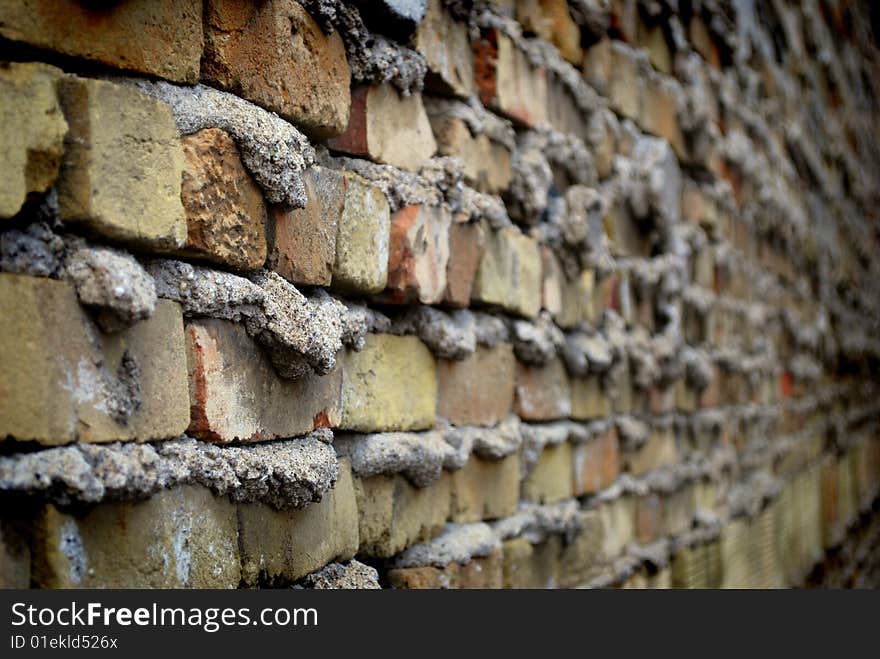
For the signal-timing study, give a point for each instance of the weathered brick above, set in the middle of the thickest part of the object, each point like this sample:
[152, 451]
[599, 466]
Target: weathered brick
[122, 166]
[624, 19]
[485, 489]
[387, 127]
[274, 54]
[528, 566]
[281, 546]
[302, 241]
[446, 46]
[477, 390]
[393, 514]
[659, 112]
[653, 39]
[507, 81]
[486, 163]
[362, 241]
[649, 518]
[702, 41]
[659, 450]
[543, 393]
[509, 275]
[31, 132]
[597, 65]
[581, 559]
[61, 380]
[180, 538]
[482, 572]
[236, 395]
[551, 20]
[389, 385]
[225, 213]
[596, 463]
[158, 37]
[588, 400]
[418, 255]
[577, 301]
[467, 243]
[624, 85]
[552, 478]
[426, 577]
[618, 524]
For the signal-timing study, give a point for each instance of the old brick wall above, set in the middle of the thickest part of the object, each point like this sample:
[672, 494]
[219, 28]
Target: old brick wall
[453, 293]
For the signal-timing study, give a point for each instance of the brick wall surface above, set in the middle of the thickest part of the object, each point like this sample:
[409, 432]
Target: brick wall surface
[439, 294]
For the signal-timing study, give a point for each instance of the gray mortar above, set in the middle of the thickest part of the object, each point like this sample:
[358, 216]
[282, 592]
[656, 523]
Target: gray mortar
[274, 152]
[586, 353]
[114, 283]
[288, 473]
[359, 321]
[490, 330]
[449, 335]
[298, 333]
[536, 342]
[632, 432]
[352, 575]
[420, 457]
[478, 120]
[458, 543]
[109, 281]
[372, 58]
[536, 522]
[494, 443]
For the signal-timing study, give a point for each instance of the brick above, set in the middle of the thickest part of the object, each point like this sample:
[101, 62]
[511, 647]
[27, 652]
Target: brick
[659, 112]
[445, 43]
[679, 508]
[624, 19]
[486, 163]
[564, 113]
[485, 489]
[362, 241]
[703, 42]
[659, 450]
[274, 54]
[552, 478]
[577, 301]
[649, 518]
[225, 213]
[596, 463]
[543, 393]
[389, 385]
[236, 395]
[162, 38]
[483, 572]
[302, 241]
[528, 566]
[736, 566]
[426, 577]
[61, 380]
[597, 65]
[509, 275]
[394, 514]
[15, 554]
[551, 21]
[467, 243]
[31, 133]
[387, 127]
[180, 538]
[588, 400]
[624, 85]
[618, 525]
[280, 546]
[581, 559]
[507, 81]
[418, 254]
[477, 390]
[122, 167]
[653, 39]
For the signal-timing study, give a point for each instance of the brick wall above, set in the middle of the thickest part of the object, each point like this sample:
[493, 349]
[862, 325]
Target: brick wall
[457, 294]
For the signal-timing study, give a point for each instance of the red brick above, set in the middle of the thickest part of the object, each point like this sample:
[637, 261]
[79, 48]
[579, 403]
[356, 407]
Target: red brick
[236, 395]
[387, 127]
[467, 242]
[418, 254]
[596, 463]
[274, 54]
[157, 37]
[303, 240]
[225, 213]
